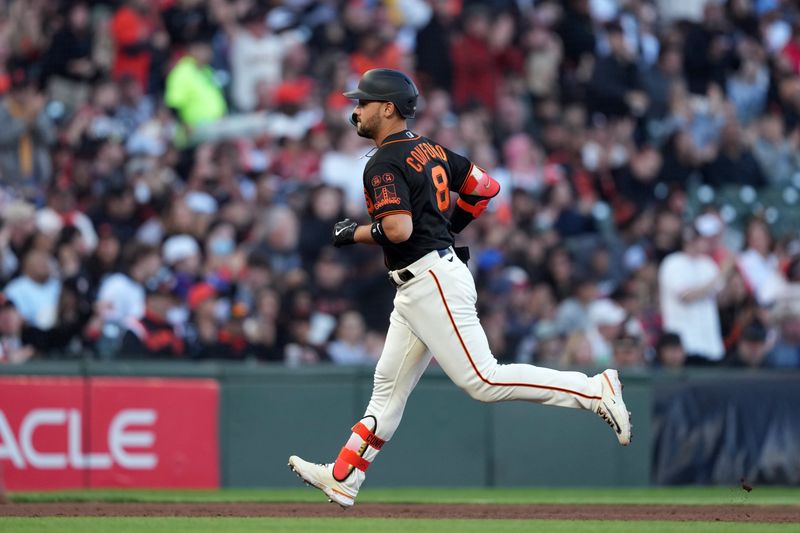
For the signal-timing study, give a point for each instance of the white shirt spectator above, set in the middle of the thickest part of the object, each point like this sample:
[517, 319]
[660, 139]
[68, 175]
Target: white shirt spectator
[762, 275]
[337, 169]
[121, 297]
[605, 319]
[695, 320]
[36, 302]
[257, 58]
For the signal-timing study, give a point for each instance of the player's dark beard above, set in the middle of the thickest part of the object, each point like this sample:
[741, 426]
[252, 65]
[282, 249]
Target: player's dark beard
[367, 129]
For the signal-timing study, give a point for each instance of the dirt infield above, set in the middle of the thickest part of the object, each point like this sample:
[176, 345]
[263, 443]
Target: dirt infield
[725, 513]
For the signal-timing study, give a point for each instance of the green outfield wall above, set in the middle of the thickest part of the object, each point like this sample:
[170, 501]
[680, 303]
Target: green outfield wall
[446, 438]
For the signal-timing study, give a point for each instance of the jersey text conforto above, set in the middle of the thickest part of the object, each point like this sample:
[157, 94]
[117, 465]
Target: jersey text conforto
[424, 152]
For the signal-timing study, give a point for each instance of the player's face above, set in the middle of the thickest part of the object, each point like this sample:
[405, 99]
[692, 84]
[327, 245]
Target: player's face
[368, 118]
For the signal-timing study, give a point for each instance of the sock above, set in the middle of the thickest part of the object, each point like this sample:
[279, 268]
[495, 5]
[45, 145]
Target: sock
[360, 449]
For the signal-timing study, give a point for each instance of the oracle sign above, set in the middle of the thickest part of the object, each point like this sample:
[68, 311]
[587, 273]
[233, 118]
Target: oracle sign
[23, 453]
[108, 432]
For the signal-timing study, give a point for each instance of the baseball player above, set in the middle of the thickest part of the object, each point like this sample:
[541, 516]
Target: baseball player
[407, 184]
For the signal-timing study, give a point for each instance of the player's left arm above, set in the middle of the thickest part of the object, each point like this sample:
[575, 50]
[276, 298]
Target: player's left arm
[395, 228]
[391, 229]
[387, 196]
[473, 197]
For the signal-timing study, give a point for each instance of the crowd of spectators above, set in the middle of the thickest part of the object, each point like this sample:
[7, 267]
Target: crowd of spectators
[170, 171]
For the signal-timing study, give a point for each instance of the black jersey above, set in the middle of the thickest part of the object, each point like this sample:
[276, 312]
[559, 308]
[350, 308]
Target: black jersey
[414, 175]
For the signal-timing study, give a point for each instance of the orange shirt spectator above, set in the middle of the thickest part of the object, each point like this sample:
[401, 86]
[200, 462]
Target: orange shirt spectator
[373, 53]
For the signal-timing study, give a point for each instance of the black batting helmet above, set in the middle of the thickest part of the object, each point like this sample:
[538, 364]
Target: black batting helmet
[387, 85]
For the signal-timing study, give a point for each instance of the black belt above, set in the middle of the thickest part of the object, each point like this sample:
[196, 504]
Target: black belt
[406, 275]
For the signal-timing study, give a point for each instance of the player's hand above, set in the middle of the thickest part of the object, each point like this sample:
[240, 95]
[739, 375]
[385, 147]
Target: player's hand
[344, 232]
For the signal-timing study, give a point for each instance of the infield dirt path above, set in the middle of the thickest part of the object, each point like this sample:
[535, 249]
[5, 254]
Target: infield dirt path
[725, 513]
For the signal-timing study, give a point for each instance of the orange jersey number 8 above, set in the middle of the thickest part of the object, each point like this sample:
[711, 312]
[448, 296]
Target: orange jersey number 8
[439, 176]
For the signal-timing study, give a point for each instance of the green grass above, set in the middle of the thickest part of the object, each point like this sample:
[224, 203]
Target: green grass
[235, 525]
[677, 495]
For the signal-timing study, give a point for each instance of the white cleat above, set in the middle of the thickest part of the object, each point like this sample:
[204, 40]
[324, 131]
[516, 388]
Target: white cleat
[611, 407]
[321, 477]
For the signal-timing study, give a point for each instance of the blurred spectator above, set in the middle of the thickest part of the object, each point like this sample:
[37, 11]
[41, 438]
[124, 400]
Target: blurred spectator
[19, 225]
[576, 30]
[64, 210]
[777, 154]
[628, 351]
[181, 253]
[747, 87]
[265, 328]
[708, 50]
[106, 257]
[669, 351]
[752, 348]
[573, 312]
[737, 307]
[689, 281]
[13, 349]
[559, 272]
[349, 345]
[137, 38]
[255, 278]
[338, 166]
[786, 352]
[26, 137]
[118, 212]
[614, 89]
[256, 56]
[277, 235]
[545, 53]
[480, 55]
[658, 82]
[35, 293]
[711, 227]
[637, 178]
[153, 335]
[606, 320]
[578, 351]
[376, 49]
[203, 335]
[192, 90]
[325, 207]
[69, 65]
[759, 265]
[122, 295]
[332, 295]
[550, 346]
[183, 20]
[735, 163]
[134, 110]
[435, 70]
[223, 263]
[562, 214]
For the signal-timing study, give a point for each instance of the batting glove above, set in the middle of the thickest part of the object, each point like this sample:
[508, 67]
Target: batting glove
[344, 232]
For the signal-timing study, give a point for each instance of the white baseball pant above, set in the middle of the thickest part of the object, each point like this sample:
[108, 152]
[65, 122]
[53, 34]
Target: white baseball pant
[435, 310]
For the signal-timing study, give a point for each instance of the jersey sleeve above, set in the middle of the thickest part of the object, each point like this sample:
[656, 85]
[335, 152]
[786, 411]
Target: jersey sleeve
[386, 191]
[459, 169]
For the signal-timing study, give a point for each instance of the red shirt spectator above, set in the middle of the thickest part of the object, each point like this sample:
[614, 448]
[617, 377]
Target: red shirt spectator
[132, 28]
[791, 52]
[481, 57]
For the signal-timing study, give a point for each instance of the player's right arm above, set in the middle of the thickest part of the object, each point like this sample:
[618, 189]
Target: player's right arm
[474, 187]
